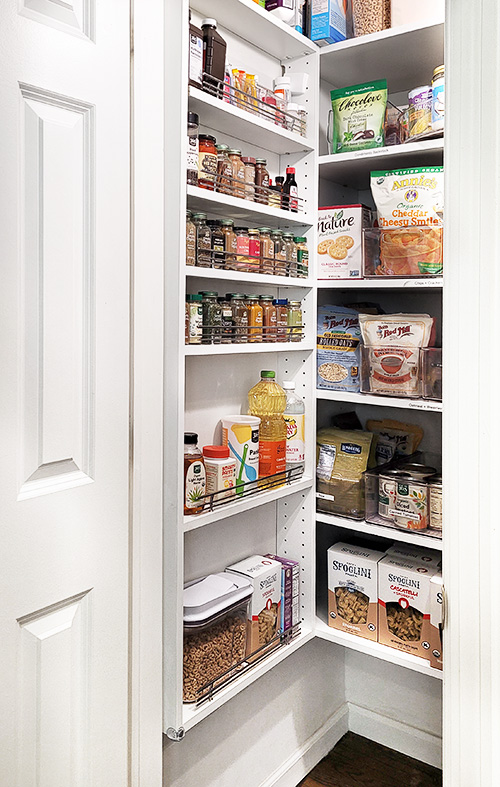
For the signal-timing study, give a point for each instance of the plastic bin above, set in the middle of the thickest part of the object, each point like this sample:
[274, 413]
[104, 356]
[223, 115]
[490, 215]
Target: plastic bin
[403, 252]
[432, 373]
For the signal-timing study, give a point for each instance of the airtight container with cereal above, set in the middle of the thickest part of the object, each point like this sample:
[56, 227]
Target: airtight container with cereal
[352, 589]
[215, 630]
[338, 345]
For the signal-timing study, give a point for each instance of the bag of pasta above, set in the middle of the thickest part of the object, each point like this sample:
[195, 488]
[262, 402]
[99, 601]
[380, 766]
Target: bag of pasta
[342, 458]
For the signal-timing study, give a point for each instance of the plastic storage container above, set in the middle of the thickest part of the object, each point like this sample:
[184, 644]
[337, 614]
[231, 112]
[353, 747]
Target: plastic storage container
[391, 371]
[403, 252]
[215, 626]
[432, 373]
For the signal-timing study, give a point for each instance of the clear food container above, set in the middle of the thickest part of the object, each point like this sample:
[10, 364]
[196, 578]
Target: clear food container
[391, 371]
[215, 631]
[403, 252]
[432, 373]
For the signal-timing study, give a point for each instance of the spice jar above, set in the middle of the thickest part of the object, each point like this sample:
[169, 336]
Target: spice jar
[269, 328]
[195, 319]
[186, 324]
[190, 239]
[291, 254]
[224, 170]
[255, 318]
[240, 318]
[230, 247]
[212, 318]
[261, 181]
[281, 305]
[203, 241]
[207, 162]
[238, 173]
[274, 197]
[249, 164]
[295, 321]
[266, 251]
[242, 248]
[227, 320]
[302, 258]
[192, 149]
[279, 253]
[217, 244]
[254, 251]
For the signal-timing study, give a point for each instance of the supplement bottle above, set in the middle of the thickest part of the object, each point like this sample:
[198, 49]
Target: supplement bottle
[267, 400]
[220, 470]
[194, 475]
[295, 440]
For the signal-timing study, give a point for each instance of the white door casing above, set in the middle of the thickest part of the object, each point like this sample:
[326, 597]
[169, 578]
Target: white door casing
[64, 395]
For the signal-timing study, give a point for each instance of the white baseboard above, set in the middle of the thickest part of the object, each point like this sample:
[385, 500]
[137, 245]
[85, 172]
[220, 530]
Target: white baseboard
[314, 749]
[421, 745]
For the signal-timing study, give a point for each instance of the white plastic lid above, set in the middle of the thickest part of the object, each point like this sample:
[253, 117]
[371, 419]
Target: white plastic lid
[282, 81]
[293, 107]
[212, 22]
[288, 385]
[203, 598]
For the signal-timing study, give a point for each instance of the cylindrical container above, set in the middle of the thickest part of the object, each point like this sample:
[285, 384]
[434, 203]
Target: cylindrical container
[194, 475]
[370, 16]
[274, 197]
[268, 318]
[203, 241]
[269, 111]
[242, 248]
[295, 327]
[302, 258]
[437, 111]
[195, 318]
[241, 434]
[281, 305]
[212, 318]
[411, 510]
[282, 89]
[186, 324]
[418, 470]
[291, 254]
[267, 400]
[419, 111]
[216, 610]
[227, 320]
[220, 469]
[254, 251]
[279, 253]
[207, 162]
[292, 117]
[290, 199]
[190, 239]
[435, 483]
[240, 318]
[218, 243]
[238, 181]
[192, 149]
[295, 431]
[255, 318]
[224, 170]
[387, 489]
[230, 246]
[261, 181]
[249, 164]
[266, 251]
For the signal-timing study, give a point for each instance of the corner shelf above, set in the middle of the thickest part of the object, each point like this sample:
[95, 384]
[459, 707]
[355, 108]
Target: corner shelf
[382, 401]
[380, 283]
[384, 531]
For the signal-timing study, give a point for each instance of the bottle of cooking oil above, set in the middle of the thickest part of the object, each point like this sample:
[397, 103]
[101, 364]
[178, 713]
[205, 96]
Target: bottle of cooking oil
[267, 400]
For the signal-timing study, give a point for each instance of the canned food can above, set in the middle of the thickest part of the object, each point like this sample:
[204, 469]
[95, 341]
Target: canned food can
[419, 111]
[387, 489]
[436, 503]
[417, 469]
[411, 508]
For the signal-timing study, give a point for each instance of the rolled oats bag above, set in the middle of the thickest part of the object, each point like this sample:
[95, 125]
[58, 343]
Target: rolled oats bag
[338, 345]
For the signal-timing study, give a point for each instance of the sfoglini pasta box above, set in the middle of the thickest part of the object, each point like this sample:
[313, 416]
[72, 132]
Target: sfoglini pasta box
[404, 604]
[339, 240]
[352, 589]
[436, 604]
[265, 606]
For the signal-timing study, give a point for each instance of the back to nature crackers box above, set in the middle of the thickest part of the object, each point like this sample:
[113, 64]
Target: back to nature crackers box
[352, 589]
[340, 241]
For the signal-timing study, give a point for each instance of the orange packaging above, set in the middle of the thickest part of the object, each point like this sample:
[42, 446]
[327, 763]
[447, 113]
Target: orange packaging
[272, 457]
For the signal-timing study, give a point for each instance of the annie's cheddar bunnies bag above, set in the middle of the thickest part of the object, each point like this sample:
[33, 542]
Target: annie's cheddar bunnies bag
[358, 116]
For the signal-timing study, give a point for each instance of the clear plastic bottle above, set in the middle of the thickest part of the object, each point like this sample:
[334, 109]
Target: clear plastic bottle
[267, 400]
[295, 441]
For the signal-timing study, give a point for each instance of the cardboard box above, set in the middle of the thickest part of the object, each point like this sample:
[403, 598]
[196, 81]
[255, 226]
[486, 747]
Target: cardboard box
[290, 592]
[352, 589]
[436, 604]
[340, 241]
[265, 607]
[425, 556]
[328, 21]
[404, 587]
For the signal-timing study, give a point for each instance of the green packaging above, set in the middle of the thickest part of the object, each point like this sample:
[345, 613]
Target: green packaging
[358, 116]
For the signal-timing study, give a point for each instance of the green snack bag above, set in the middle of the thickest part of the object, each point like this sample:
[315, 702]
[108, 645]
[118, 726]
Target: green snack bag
[358, 116]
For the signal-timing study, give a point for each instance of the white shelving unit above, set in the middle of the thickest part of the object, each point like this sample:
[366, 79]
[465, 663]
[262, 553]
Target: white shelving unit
[246, 349]
[251, 212]
[382, 284]
[383, 531]
[381, 401]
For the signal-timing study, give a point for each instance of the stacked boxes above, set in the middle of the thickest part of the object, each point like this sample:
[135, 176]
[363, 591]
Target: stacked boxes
[436, 653]
[290, 596]
[352, 589]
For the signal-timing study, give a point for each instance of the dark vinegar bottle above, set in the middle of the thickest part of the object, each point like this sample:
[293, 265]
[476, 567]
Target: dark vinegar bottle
[290, 191]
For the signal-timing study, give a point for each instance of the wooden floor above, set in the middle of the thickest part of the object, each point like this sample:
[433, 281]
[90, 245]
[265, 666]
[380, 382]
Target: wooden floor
[358, 762]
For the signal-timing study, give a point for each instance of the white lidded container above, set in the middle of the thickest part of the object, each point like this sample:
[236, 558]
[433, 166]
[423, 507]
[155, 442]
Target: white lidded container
[215, 630]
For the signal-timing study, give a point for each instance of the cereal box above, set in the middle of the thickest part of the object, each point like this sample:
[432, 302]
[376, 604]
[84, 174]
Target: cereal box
[426, 556]
[328, 21]
[339, 241]
[404, 588]
[436, 651]
[265, 606]
[352, 589]
[338, 355]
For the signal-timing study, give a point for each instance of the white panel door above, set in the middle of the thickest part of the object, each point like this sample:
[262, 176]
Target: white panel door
[64, 392]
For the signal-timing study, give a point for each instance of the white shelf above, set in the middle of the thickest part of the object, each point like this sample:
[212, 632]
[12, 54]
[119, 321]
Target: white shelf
[238, 507]
[257, 26]
[376, 650]
[235, 122]
[385, 531]
[193, 715]
[248, 347]
[244, 210]
[405, 56]
[353, 169]
[193, 271]
[381, 401]
[389, 283]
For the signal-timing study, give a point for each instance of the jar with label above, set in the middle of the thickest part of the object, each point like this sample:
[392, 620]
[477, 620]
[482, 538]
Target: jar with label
[437, 109]
[281, 305]
[302, 258]
[411, 506]
[195, 318]
[192, 149]
[291, 254]
[268, 318]
[212, 318]
[242, 248]
[203, 241]
[254, 251]
[249, 164]
[266, 251]
[220, 471]
[227, 320]
[186, 324]
[295, 321]
[207, 162]
[224, 170]
[435, 487]
[230, 247]
[261, 181]
[255, 318]
[274, 196]
[190, 239]
[279, 253]
[217, 244]
[290, 191]
[194, 475]
[240, 318]
[238, 173]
